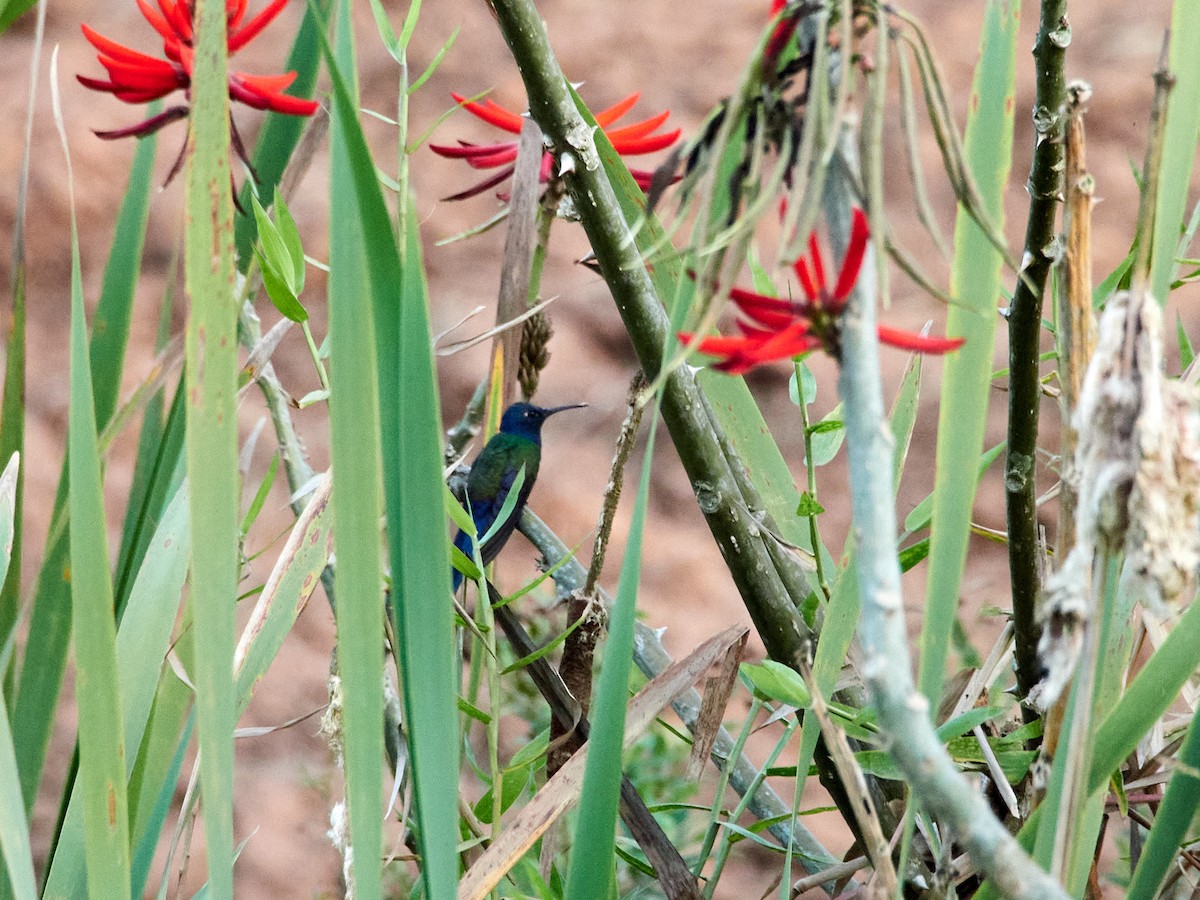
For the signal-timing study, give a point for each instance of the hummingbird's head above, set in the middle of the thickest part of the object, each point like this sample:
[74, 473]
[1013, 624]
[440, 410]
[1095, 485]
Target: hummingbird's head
[525, 420]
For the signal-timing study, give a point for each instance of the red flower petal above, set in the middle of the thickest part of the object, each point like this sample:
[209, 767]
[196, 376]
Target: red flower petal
[918, 343]
[807, 284]
[817, 261]
[179, 15]
[467, 150]
[638, 129]
[478, 189]
[859, 232]
[252, 29]
[647, 144]
[117, 51]
[606, 117]
[234, 10]
[263, 92]
[492, 113]
[157, 22]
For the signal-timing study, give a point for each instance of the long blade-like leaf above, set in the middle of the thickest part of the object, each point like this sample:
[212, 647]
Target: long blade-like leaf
[101, 746]
[357, 499]
[211, 439]
[593, 852]
[410, 424]
[975, 281]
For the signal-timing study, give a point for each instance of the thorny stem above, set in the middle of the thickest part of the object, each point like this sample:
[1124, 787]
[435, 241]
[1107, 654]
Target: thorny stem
[1024, 330]
[904, 718]
[737, 535]
[767, 590]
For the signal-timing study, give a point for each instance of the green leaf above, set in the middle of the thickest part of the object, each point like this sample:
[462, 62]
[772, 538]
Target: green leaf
[274, 253]
[1179, 146]
[969, 720]
[458, 515]
[809, 506]
[410, 428]
[281, 295]
[1186, 353]
[290, 235]
[14, 831]
[506, 510]
[807, 380]
[913, 556]
[101, 746]
[260, 496]
[591, 872]
[211, 449]
[828, 435]
[357, 490]
[966, 389]
[775, 681]
[142, 644]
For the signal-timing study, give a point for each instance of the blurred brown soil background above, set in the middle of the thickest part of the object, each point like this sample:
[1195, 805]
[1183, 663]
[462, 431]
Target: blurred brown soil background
[680, 59]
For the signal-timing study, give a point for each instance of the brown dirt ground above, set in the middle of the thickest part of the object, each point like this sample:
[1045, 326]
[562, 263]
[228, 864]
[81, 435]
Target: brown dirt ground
[285, 780]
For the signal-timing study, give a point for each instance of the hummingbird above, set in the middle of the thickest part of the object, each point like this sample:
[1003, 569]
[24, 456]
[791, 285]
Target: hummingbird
[517, 444]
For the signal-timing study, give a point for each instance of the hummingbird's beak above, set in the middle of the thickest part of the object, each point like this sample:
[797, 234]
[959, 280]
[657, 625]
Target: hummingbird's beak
[557, 409]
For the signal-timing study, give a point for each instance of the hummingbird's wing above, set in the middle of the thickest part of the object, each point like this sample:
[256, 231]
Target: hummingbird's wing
[485, 515]
[488, 486]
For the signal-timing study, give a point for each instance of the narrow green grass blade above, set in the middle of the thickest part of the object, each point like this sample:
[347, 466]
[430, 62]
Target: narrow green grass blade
[159, 454]
[281, 133]
[110, 325]
[12, 441]
[154, 427]
[50, 624]
[593, 846]
[410, 423]
[101, 746]
[142, 643]
[357, 499]
[212, 441]
[975, 282]
[155, 776]
[14, 831]
[1179, 145]
[420, 560]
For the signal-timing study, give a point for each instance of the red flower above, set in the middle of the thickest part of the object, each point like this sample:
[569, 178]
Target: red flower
[785, 27]
[775, 329]
[629, 140]
[137, 78]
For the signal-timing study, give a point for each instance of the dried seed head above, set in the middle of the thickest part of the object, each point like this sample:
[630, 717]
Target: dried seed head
[331, 721]
[1126, 367]
[1065, 614]
[535, 352]
[1123, 461]
[1163, 543]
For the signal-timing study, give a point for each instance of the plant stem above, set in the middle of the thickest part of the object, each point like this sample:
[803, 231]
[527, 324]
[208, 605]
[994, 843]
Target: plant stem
[737, 534]
[903, 712]
[1024, 330]
[651, 657]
